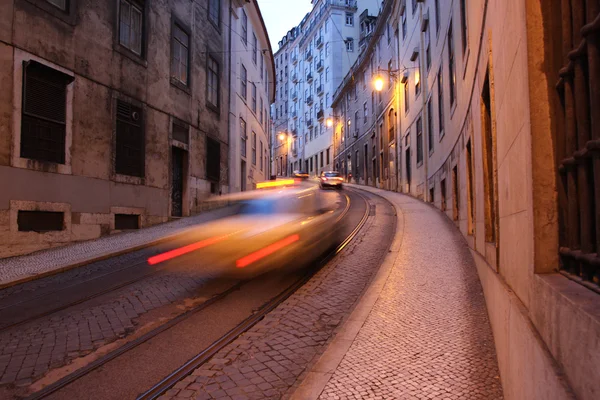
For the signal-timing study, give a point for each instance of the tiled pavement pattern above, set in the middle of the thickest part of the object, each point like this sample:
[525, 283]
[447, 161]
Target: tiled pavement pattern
[428, 335]
[266, 361]
[30, 350]
[15, 268]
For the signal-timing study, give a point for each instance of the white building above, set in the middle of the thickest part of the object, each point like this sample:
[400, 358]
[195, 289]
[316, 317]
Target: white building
[252, 89]
[314, 58]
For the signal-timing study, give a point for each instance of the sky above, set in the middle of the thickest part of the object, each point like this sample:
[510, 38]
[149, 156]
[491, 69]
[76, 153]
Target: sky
[282, 15]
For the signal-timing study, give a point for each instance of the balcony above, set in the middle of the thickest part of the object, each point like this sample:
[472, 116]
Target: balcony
[309, 123]
[294, 132]
[320, 115]
[295, 78]
[309, 77]
[320, 90]
[294, 114]
[294, 59]
[294, 96]
[319, 42]
[309, 100]
[320, 66]
[308, 56]
[350, 3]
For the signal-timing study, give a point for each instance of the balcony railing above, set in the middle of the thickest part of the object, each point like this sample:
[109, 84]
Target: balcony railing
[308, 56]
[320, 90]
[294, 59]
[294, 114]
[319, 42]
[294, 95]
[309, 77]
[309, 123]
[295, 78]
[309, 100]
[320, 115]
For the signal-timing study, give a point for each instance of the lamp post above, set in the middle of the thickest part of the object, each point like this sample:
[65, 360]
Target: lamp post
[284, 137]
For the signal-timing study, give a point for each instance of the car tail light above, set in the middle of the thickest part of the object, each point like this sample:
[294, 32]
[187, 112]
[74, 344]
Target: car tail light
[324, 179]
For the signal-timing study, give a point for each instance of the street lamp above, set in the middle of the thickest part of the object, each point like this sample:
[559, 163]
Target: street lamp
[282, 136]
[379, 83]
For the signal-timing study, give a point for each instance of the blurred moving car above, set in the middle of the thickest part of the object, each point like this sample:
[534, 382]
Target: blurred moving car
[331, 179]
[281, 226]
[300, 175]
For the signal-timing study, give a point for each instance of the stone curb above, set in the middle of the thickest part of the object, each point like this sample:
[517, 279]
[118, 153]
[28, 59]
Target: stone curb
[320, 374]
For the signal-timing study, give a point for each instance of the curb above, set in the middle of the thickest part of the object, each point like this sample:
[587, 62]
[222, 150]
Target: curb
[320, 374]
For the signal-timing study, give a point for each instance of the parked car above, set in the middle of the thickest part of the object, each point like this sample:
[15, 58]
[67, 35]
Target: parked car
[331, 179]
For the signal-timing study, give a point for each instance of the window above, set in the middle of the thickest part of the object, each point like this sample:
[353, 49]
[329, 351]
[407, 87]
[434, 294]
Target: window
[44, 113]
[489, 154]
[406, 100]
[260, 112]
[451, 71]
[470, 189]
[255, 50]
[212, 83]
[214, 11]
[326, 49]
[443, 193]
[213, 160]
[349, 19]
[253, 148]
[414, 6]
[180, 54]
[419, 141]
[40, 221]
[131, 25]
[356, 119]
[327, 74]
[261, 152]
[62, 4]
[429, 126]
[428, 55]
[327, 158]
[388, 34]
[391, 126]
[244, 82]
[365, 112]
[244, 28]
[253, 97]
[418, 78]
[463, 24]
[440, 85]
[180, 131]
[349, 44]
[125, 222]
[262, 68]
[404, 26]
[243, 137]
[437, 16]
[129, 158]
[455, 200]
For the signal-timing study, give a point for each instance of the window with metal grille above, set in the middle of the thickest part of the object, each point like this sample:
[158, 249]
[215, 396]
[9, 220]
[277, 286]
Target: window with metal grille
[127, 221]
[577, 144]
[180, 55]
[419, 141]
[131, 25]
[214, 11]
[43, 118]
[213, 159]
[180, 131]
[40, 221]
[212, 82]
[129, 158]
[243, 137]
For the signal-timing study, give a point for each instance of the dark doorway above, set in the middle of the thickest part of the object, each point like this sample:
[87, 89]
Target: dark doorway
[366, 162]
[243, 177]
[407, 161]
[177, 158]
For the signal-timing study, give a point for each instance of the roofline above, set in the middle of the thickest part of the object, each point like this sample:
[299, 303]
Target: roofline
[264, 27]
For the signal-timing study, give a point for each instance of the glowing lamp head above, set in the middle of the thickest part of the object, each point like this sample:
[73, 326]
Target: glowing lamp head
[379, 83]
[329, 122]
[282, 136]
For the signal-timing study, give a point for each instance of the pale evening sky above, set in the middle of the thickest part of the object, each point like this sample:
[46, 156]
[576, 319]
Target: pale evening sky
[281, 15]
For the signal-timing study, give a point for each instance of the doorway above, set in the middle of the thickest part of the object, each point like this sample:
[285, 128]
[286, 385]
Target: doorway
[243, 177]
[408, 172]
[177, 165]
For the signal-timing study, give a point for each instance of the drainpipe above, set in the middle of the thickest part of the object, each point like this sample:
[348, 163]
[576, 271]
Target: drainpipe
[229, 133]
[424, 101]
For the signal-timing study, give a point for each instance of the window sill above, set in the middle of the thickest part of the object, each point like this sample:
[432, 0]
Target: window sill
[69, 16]
[213, 108]
[181, 86]
[131, 55]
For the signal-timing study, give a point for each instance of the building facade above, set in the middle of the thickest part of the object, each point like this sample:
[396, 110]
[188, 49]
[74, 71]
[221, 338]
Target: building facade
[115, 114]
[252, 88]
[492, 117]
[315, 56]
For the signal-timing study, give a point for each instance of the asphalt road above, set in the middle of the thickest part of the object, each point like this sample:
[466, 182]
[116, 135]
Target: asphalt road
[130, 299]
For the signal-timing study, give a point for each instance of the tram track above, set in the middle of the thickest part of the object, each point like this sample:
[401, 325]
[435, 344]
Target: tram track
[207, 353]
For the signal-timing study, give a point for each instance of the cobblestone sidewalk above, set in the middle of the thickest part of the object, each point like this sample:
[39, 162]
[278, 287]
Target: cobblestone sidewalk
[428, 335]
[266, 362]
[16, 268]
